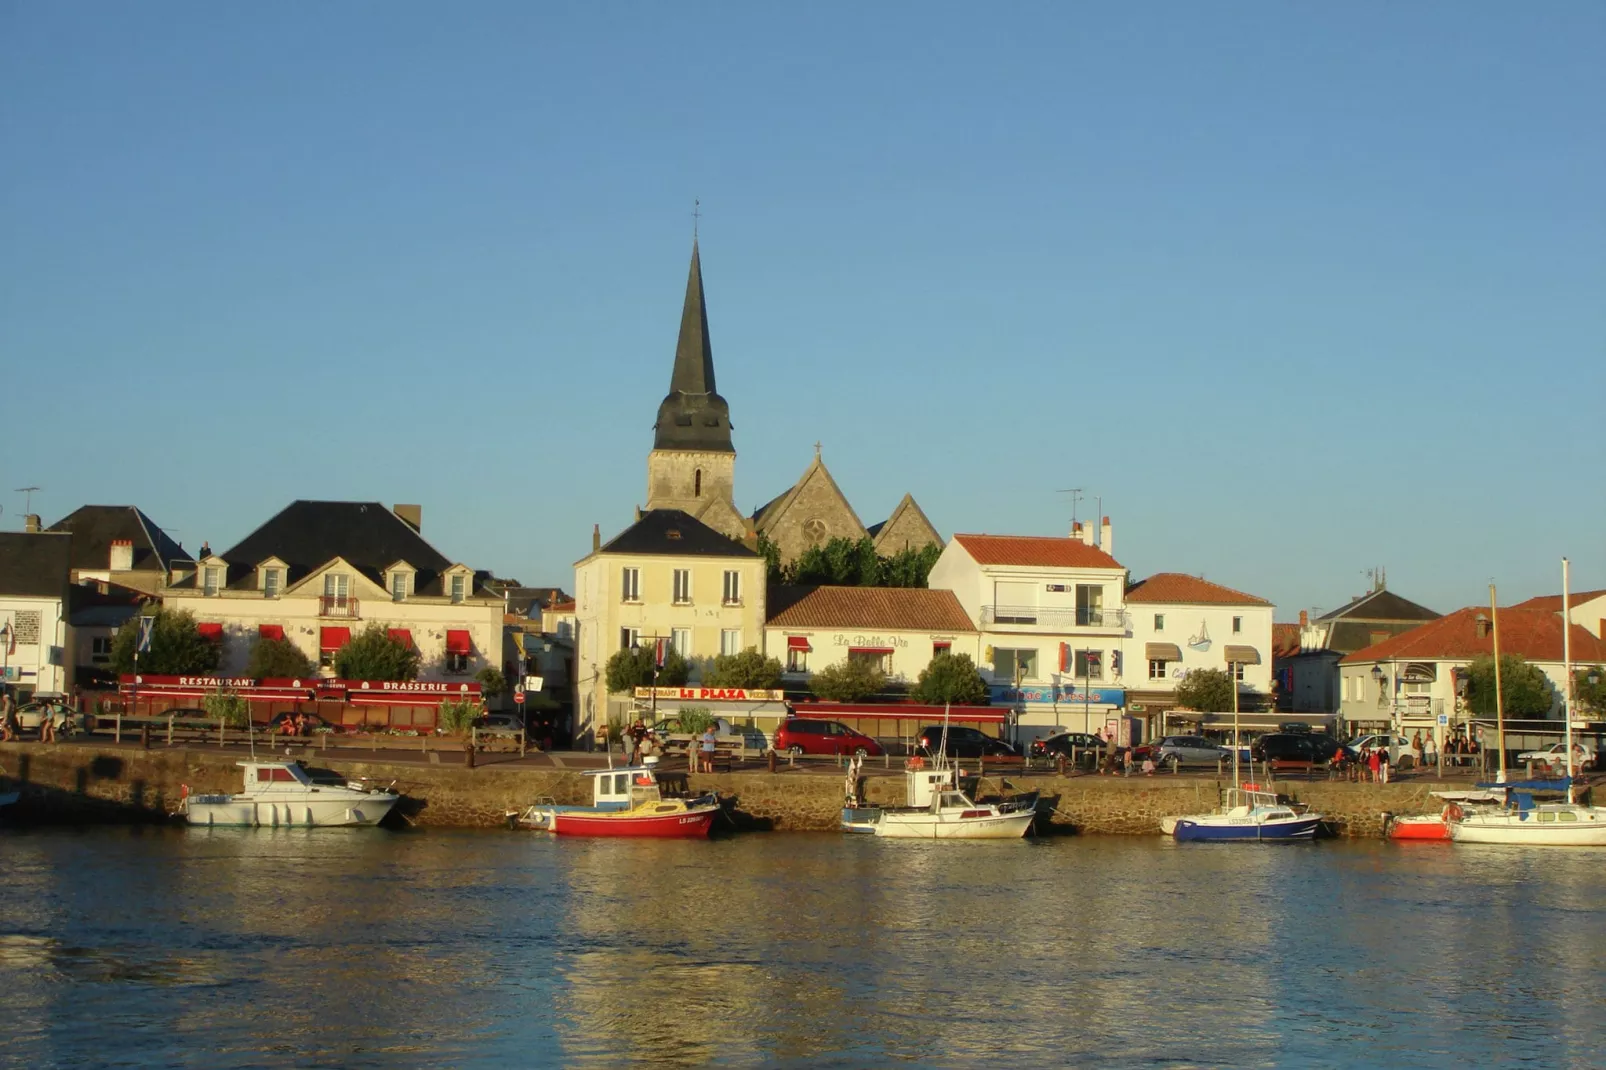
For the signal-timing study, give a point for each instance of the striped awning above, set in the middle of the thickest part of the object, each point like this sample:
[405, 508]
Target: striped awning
[1162, 652]
[1241, 655]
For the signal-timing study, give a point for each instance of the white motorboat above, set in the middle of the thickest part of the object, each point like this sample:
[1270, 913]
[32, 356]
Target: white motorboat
[938, 810]
[1248, 815]
[285, 794]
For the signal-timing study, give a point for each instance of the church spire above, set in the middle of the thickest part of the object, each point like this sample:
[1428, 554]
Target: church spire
[694, 357]
[693, 416]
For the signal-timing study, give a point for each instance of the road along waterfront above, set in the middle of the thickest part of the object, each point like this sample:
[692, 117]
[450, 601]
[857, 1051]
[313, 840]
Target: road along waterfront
[371, 948]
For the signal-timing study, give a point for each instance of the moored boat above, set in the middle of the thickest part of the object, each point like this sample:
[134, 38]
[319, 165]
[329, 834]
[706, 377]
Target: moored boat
[1248, 816]
[626, 801]
[1523, 818]
[938, 810]
[1433, 828]
[286, 794]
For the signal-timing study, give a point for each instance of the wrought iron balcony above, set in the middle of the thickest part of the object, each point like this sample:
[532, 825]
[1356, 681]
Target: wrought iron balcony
[331, 605]
[1054, 618]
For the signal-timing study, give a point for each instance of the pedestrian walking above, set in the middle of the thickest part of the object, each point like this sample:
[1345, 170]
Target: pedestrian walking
[1430, 751]
[637, 733]
[9, 729]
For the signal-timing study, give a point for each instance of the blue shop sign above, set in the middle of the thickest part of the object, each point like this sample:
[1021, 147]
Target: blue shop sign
[1061, 694]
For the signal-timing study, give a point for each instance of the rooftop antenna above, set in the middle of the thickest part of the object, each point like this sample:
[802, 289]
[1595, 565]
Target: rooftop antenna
[27, 506]
[1076, 496]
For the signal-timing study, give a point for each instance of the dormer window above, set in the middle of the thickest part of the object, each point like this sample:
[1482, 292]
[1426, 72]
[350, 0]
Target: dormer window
[211, 579]
[459, 587]
[270, 582]
[398, 586]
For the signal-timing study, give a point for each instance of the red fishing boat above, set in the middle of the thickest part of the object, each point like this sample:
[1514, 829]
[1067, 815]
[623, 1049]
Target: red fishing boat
[624, 802]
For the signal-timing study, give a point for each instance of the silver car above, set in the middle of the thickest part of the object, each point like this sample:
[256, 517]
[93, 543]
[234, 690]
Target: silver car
[1190, 750]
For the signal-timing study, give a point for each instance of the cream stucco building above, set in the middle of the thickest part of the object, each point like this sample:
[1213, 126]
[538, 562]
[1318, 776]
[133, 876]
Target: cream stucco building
[35, 638]
[667, 577]
[897, 629]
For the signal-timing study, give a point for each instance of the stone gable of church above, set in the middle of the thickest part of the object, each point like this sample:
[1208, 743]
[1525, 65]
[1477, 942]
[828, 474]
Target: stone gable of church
[815, 512]
[907, 529]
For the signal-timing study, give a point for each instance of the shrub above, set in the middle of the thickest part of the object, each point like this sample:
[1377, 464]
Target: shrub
[1206, 690]
[457, 715]
[177, 647]
[492, 682]
[848, 681]
[695, 719]
[373, 655]
[951, 678]
[633, 667]
[278, 657]
[227, 706]
[748, 669]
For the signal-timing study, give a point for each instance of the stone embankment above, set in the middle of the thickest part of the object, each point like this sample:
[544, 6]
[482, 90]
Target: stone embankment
[88, 783]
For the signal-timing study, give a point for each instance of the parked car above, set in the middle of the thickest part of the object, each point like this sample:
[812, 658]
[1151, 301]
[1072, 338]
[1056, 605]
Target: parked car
[1064, 743]
[961, 741]
[1293, 747]
[502, 723]
[799, 735]
[31, 717]
[1556, 755]
[1398, 746]
[1190, 750]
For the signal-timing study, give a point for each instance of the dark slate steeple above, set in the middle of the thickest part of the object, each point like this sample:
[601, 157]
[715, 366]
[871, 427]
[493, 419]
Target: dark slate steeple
[693, 416]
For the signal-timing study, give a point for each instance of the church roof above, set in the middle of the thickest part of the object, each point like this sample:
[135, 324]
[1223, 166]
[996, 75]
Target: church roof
[671, 531]
[908, 608]
[692, 415]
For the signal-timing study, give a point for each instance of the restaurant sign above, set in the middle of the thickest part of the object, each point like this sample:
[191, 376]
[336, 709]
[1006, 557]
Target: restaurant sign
[712, 694]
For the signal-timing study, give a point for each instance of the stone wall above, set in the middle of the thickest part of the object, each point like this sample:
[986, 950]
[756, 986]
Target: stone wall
[86, 783]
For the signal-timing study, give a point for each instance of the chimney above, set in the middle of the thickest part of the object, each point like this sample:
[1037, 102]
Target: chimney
[596, 537]
[122, 555]
[30, 524]
[1304, 618]
[1105, 537]
[412, 516]
[1481, 624]
[1087, 534]
[1076, 529]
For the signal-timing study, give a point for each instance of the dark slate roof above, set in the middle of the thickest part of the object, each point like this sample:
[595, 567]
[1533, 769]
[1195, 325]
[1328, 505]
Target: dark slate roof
[95, 527]
[670, 531]
[875, 529]
[1381, 605]
[693, 416]
[89, 607]
[529, 601]
[35, 564]
[308, 535]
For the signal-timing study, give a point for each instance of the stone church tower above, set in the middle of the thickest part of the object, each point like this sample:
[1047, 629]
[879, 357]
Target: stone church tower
[692, 466]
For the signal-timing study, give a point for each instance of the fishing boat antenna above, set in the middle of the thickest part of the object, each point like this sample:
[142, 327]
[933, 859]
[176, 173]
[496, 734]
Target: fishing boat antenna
[1499, 703]
[1567, 672]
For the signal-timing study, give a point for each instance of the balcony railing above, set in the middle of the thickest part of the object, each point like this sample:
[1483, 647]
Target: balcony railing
[1054, 617]
[333, 605]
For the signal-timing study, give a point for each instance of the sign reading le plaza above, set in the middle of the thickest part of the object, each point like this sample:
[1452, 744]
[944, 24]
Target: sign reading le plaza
[712, 694]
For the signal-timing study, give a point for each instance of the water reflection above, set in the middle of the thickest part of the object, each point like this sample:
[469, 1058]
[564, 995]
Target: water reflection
[260, 947]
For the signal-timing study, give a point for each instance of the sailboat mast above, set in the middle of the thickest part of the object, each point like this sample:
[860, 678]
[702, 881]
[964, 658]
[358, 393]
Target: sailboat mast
[1567, 672]
[1499, 702]
[1232, 679]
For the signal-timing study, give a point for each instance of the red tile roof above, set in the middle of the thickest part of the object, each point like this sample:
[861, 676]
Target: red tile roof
[1181, 587]
[1035, 550]
[1533, 633]
[908, 608]
[562, 607]
[1285, 640]
[1552, 602]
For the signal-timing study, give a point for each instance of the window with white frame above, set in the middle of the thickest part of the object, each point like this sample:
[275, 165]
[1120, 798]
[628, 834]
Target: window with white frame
[1237, 625]
[1159, 622]
[1237, 671]
[630, 585]
[1089, 604]
[459, 587]
[270, 583]
[337, 587]
[682, 587]
[211, 576]
[1090, 664]
[1157, 669]
[730, 641]
[797, 659]
[733, 587]
[680, 641]
[398, 586]
[629, 638]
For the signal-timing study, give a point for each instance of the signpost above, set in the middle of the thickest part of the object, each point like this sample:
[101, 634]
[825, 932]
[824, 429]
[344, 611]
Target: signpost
[518, 697]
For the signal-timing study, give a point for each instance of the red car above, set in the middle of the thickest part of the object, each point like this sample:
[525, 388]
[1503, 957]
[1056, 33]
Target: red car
[798, 735]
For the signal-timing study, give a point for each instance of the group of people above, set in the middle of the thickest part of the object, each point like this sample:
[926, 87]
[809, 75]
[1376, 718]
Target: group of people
[11, 724]
[295, 725]
[640, 743]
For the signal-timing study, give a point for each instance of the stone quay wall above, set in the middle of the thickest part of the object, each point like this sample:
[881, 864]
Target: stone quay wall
[88, 783]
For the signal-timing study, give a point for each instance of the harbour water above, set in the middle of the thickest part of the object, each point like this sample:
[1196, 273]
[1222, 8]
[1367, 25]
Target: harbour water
[365, 948]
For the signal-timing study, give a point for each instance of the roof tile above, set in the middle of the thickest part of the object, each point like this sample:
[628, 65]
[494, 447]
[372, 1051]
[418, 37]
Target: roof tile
[907, 608]
[1181, 587]
[1533, 633]
[1035, 550]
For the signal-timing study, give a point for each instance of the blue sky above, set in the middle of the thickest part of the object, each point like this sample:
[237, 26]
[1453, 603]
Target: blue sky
[1298, 290]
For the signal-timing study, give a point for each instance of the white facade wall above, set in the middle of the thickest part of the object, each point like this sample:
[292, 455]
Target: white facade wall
[1364, 698]
[1185, 621]
[42, 660]
[911, 648]
[1590, 615]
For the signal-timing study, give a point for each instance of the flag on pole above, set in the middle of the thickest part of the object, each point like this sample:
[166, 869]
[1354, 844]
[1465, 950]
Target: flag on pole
[660, 652]
[143, 645]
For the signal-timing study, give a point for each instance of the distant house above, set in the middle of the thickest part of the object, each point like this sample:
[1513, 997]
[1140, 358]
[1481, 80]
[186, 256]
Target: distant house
[119, 544]
[896, 629]
[1311, 674]
[35, 637]
[1587, 609]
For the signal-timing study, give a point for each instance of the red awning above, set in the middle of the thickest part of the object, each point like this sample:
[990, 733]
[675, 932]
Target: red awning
[798, 642]
[869, 650]
[211, 629]
[270, 631]
[404, 636]
[333, 638]
[458, 642]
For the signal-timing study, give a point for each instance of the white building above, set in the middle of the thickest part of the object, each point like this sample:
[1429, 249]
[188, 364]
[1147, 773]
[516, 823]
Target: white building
[897, 629]
[1587, 609]
[35, 639]
[1408, 682]
[1180, 623]
[1051, 621]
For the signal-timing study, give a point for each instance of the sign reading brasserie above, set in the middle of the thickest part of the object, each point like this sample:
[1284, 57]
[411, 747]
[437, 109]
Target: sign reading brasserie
[712, 694]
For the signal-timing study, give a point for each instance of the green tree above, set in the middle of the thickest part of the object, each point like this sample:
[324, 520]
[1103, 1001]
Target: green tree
[373, 655]
[748, 669]
[1206, 690]
[909, 567]
[694, 720]
[1524, 689]
[840, 562]
[848, 681]
[951, 678]
[492, 683]
[177, 647]
[632, 667]
[774, 571]
[227, 706]
[1590, 696]
[278, 657]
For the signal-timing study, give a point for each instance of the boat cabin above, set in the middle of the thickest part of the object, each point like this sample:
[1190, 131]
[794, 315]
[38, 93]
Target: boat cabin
[276, 776]
[622, 789]
[923, 785]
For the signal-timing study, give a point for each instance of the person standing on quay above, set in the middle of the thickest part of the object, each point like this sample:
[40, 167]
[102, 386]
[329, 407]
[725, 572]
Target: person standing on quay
[1372, 764]
[710, 740]
[1383, 753]
[1416, 749]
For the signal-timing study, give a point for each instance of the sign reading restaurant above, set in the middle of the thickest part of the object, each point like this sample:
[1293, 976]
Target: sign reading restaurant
[712, 694]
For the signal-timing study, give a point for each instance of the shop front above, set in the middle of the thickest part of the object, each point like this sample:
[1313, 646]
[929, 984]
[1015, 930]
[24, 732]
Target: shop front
[1043, 710]
[352, 705]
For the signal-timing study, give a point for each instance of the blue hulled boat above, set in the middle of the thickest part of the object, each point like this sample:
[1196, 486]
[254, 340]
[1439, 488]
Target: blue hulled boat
[1249, 816]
